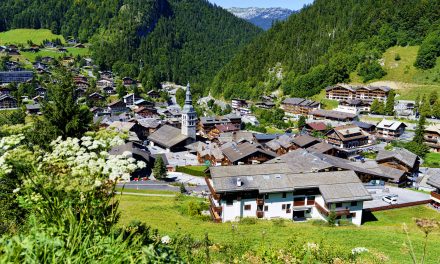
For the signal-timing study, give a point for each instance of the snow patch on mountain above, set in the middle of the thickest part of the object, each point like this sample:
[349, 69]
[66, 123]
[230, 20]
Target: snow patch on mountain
[262, 17]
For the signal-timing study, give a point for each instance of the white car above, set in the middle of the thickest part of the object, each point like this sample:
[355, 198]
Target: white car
[390, 199]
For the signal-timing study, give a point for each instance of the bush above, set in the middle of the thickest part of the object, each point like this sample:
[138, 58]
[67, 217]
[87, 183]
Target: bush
[279, 222]
[331, 219]
[316, 222]
[397, 57]
[198, 171]
[371, 70]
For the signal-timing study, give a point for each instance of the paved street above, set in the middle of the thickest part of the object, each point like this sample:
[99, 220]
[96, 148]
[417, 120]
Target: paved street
[404, 196]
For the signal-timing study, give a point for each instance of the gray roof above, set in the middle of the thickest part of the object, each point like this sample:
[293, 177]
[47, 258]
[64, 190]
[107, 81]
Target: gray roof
[284, 141]
[335, 186]
[320, 147]
[236, 152]
[132, 147]
[332, 114]
[304, 140]
[434, 181]
[236, 136]
[301, 102]
[167, 136]
[403, 155]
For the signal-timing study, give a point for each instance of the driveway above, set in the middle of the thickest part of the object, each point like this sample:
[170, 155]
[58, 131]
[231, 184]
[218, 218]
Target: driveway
[404, 196]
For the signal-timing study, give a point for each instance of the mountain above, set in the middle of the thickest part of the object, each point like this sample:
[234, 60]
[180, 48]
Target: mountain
[172, 40]
[261, 17]
[325, 42]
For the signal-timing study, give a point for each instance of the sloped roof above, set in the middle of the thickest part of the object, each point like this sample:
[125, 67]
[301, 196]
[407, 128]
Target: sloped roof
[122, 126]
[434, 181]
[321, 147]
[304, 140]
[332, 114]
[318, 126]
[239, 151]
[435, 128]
[405, 156]
[390, 124]
[167, 136]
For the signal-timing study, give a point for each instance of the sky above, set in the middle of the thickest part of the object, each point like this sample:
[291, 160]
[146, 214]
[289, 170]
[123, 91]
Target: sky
[290, 4]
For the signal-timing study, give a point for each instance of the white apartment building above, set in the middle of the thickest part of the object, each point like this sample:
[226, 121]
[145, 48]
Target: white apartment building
[274, 190]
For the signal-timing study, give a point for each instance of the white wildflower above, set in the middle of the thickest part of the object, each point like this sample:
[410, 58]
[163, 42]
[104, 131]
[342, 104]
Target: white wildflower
[165, 240]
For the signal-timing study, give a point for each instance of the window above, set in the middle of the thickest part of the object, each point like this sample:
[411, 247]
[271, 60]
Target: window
[338, 205]
[266, 208]
[229, 202]
[284, 195]
[283, 207]
[247, 207]
[266, 196]
[354, 203]
[288, 206]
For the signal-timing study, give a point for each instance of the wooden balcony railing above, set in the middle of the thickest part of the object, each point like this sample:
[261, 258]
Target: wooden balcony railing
[310, 202]
[299, 203]
[435, 195]
[260, 214]
[214, 206]
[324, 211]
[211, 189]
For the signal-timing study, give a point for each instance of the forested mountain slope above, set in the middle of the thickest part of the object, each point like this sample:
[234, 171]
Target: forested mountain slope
[174, 40]
[326, 41]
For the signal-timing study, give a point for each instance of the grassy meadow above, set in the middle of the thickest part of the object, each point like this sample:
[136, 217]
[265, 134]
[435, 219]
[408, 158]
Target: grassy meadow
[382, 234]
[21, 36]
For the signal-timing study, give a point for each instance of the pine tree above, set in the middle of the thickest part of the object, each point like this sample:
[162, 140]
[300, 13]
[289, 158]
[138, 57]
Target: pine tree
[420, 130]
[62, 110]
[375, 107]
[159, 169]
[301, 122]
[436, 109]
[417, 103]
[425, 107]
[389, 105]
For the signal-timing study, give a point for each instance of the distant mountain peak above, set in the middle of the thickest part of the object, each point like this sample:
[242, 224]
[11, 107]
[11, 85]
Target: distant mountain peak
[262, 17]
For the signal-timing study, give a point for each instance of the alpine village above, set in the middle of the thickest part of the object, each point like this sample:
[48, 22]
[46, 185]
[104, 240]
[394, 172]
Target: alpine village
[188, 131]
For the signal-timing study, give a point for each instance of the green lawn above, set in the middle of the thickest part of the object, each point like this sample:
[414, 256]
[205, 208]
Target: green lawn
[325, 103]
[384, 235]
[432, 160]
[21, 36]
[193, 170]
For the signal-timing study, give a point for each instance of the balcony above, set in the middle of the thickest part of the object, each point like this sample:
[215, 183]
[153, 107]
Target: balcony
[435, 195]
[325, 211]
[299, 203]
[310, 202]
[260, 214]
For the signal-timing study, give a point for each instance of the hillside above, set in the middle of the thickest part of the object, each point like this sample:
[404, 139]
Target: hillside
[22, 36]
[324, 43]
[261, 17]
[173, 40]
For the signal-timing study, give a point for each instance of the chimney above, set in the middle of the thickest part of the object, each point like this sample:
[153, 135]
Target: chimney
[239, 182]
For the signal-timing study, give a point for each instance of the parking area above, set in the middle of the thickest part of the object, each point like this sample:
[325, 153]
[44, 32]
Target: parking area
[404, 196]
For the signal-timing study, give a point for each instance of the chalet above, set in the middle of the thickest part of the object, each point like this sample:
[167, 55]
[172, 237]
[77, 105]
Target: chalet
[333, 115]
[127, 81]
[13, 66]
[238, 136]
[108, 90]
[134, 127]
[72, 41]
[145, 103]
[299, 106]
[80, 92]
[220, 129]
[353, 106]
[282, 144]
[169, 138]
[315, 127]
[104, 83]
[432, 137]
[47, 59]
[150, 124]
[323, 148]
[80, 46]
[96, 97]
[265, 105]
[404, 107]
[153, 94]
[342, 92]
[310, 160]
[97, 111]
[304, 141]
[41, 91]
[207, 123]
[390, 129]
[272, 191]
[38, 99]
[400, 159]
[129, 99]
[33, 109]
[80, 78]
[367, 127]
[7, 102]
[348, 136]
[145, 111]
[68, 60]
[108, 75]
[233, 119]
[117, 107]
[245, 153]
[434, 181]
[16, 76]
[62, 50]
[13, 52]
[209, 153]
[40, 66]
[238, 103]
[82, 85]
[49, 44]
[139, 153]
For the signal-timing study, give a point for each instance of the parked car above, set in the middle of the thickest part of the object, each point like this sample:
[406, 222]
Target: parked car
[390, 199]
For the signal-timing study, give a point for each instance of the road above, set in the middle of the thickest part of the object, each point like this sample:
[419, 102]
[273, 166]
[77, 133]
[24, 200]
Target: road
[159, 186]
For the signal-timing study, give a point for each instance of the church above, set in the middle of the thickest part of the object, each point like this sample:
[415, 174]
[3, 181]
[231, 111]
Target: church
[173, 139]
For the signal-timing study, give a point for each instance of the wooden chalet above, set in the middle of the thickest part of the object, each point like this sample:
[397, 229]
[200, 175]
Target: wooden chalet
[342, 92]
[333, 115]
[315, 127]
[282, 144]
[96, 97]
[7, 102]
[245, 153]
[432, 137]
[299, 106]
[145, 111]
[400, 159]
[222, 128]
[390, 129]
[153, 94]
[117, 107]
[348, 136]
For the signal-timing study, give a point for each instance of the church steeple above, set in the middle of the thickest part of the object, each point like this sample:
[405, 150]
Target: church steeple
[189, 116]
